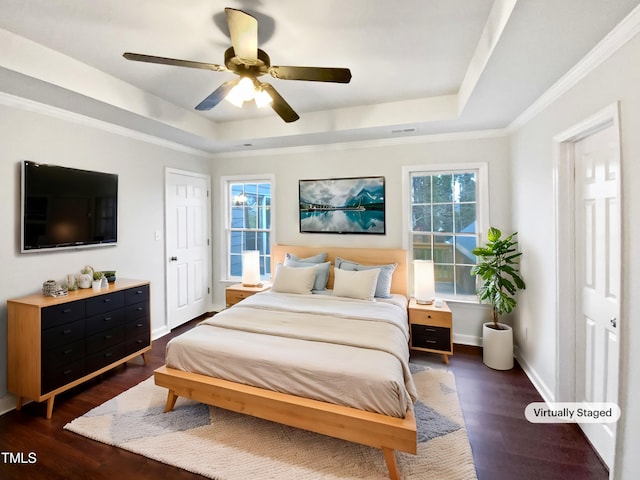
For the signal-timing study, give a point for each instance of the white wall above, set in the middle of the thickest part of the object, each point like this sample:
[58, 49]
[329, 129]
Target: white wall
[617, 79]
[368, 159]
[33, 135]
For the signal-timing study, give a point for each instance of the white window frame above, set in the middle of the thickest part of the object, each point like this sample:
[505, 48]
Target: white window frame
[482, 199]
[225, 184]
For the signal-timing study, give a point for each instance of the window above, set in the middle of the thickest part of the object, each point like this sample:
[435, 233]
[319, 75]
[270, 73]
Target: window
[445, 214]
[249, 221]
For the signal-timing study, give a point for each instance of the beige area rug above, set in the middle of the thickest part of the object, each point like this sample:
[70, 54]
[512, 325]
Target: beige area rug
[225, 445]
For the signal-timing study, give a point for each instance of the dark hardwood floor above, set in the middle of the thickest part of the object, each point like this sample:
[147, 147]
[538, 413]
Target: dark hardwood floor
[504, 444]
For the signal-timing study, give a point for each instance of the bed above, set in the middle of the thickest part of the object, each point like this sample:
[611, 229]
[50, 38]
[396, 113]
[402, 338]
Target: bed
[351, 385]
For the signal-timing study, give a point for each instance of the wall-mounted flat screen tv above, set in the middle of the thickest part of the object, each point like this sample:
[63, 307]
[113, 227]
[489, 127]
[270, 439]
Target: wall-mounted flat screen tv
[67, 208]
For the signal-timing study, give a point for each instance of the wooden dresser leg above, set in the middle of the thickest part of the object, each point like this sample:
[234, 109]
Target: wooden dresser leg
[144, 358]
[171, 401]
[392, 466]
[50, 401]
[446, 358]
[19, 403]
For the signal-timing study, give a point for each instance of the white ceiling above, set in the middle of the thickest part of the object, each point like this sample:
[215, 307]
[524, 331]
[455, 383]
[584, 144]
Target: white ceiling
[419, 66]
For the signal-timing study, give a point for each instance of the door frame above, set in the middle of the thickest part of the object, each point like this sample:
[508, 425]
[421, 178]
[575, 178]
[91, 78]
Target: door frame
[168, 171]
[564, 208]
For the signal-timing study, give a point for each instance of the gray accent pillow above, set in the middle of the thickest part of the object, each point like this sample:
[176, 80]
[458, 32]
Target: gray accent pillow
[383, 287]
[322, 272]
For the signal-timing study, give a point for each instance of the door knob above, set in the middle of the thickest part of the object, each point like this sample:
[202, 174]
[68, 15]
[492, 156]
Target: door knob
[614, 322]
[174, 259]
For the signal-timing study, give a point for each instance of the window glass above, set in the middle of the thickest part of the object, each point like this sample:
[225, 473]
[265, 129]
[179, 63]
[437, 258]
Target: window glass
[249, 228]
[444, 227]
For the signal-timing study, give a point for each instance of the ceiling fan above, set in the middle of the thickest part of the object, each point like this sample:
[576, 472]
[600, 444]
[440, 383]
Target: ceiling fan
[246, 60]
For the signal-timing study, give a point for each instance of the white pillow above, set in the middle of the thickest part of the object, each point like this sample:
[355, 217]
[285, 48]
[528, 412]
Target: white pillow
[355, 284]
[293, 279]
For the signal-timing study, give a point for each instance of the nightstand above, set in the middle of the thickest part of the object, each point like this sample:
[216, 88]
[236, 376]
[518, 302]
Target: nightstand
[237, 292]
[431, 329]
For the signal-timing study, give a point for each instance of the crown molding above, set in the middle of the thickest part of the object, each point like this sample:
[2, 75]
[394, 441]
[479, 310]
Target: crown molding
[628, 28]
[66, 115]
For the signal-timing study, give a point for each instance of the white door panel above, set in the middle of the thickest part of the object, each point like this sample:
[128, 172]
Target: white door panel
[597, 250]
[188, 270]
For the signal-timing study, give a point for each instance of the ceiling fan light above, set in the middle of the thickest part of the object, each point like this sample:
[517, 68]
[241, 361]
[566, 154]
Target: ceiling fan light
[262, 98]
[242, 92]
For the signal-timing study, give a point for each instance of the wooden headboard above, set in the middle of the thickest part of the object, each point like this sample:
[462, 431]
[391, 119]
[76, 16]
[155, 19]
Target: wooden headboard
[366, 256]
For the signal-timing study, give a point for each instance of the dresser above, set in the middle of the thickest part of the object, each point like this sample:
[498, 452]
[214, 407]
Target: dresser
[56, 343]
[431, 328]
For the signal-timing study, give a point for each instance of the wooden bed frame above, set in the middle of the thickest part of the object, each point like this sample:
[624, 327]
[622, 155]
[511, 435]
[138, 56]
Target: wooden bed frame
[373, 429]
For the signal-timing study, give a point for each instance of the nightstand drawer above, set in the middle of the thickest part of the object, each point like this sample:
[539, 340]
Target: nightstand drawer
[234, 296]
[430, 317]
[428, 336]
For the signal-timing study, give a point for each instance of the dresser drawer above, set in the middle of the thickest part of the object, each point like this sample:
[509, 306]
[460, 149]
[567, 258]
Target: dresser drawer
[101, 359]
[135, 311]
[137, 327]
[137, 343]
[428, 336]
[105, 339]
[63, 313]
[104, 321]
[63, 354]
[62, 334]
[135, 295]
[104, 303]
[56, 376]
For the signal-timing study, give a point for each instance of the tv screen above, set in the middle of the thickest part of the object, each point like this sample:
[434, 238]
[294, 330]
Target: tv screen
[67, 208]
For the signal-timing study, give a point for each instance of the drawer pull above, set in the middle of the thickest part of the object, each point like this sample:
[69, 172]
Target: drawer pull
[67, 331]
[107, 355]
[138, 292]
[431, 341]
[108, 337]
[66, 310]
[67, 372]
[140, 309]
[138, 325]
[107, 300]
[68, 351]
[106, 319]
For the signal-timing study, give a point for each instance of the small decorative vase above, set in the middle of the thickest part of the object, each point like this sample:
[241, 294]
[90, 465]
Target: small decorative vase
[84, 280]
[104, 283]
[96, 284]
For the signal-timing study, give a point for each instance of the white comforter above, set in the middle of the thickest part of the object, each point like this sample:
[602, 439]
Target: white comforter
[343, 351]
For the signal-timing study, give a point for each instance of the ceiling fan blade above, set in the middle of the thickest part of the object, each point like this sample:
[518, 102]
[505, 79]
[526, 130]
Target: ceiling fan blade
[313, 74]
[217, 96]
[138, 57]
[280, 105]
[244, 34]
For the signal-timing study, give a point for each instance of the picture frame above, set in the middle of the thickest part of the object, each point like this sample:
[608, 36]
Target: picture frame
[351, 205]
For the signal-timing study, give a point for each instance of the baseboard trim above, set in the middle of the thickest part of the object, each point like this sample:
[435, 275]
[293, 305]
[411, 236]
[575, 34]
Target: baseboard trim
[463, 339]
[545, 392]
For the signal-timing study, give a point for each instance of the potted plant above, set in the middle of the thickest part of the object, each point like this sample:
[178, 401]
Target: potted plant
[97, 281]
[499, 271]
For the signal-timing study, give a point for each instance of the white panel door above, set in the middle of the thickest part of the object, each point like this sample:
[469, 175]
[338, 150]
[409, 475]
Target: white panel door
[187, 223]
[597, 231]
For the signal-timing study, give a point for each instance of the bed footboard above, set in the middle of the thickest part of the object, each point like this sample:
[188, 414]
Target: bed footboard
[367, 428]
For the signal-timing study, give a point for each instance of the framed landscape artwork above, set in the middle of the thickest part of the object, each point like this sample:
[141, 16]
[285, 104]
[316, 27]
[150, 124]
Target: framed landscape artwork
[342, 205]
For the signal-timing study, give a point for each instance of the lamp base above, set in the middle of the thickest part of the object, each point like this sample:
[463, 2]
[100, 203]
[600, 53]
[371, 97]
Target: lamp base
[424, 302]
[255, 285]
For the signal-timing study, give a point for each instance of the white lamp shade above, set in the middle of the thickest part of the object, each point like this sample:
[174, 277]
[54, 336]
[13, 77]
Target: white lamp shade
[424, 285]
[251, 268]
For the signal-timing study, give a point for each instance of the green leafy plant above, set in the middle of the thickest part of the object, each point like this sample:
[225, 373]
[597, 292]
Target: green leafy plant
[499, 271]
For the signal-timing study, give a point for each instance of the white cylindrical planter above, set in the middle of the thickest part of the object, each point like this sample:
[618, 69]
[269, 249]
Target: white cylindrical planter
[497, 347]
